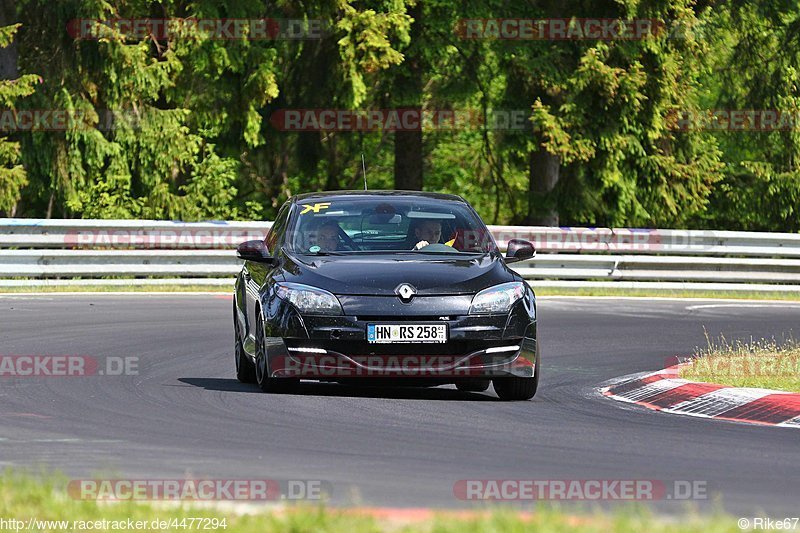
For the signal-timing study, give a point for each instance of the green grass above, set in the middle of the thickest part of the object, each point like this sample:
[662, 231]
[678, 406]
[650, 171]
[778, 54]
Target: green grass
[23, 497]
[759, 363]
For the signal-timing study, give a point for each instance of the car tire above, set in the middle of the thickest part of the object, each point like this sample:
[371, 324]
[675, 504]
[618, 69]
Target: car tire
[517, 389]
[264, 382]
[245, 369]
[473, 385]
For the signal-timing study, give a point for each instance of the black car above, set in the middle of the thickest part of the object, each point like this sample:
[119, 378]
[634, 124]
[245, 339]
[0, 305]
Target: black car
[384, 287]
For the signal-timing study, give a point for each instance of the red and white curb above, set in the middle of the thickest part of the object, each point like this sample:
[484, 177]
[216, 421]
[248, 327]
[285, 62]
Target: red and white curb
[665, 391]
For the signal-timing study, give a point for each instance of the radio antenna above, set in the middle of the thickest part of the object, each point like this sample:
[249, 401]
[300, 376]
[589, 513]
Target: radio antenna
[364, 170]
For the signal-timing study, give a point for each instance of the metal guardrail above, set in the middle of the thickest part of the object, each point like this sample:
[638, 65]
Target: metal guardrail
[37, 251]
[137, 234]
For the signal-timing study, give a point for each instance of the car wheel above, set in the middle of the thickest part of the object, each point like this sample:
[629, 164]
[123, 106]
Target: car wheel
[473, 385]
[515, 389]
[245, 369]
[266, 383]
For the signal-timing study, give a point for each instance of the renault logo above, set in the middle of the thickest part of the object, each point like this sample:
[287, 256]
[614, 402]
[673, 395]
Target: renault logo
[405, 291]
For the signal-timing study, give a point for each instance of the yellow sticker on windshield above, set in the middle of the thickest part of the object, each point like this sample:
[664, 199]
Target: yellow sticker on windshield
[315, 208]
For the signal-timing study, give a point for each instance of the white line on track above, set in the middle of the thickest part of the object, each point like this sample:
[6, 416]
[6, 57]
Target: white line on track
[18, 295]
[61, 441]
[732, 301]
[746, 305]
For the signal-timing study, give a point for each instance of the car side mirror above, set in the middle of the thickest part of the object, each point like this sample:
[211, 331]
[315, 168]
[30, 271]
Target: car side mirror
[519, 250]
[254, 251]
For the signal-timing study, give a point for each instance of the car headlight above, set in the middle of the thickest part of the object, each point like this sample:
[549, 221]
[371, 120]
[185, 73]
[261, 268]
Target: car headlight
[307, 299]
[497, 299]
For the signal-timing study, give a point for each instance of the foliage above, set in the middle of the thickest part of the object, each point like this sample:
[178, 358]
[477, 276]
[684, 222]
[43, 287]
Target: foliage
[12, 173]
[180, 126]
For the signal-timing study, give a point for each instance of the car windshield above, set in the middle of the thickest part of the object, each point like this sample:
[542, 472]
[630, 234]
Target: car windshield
[387, 224]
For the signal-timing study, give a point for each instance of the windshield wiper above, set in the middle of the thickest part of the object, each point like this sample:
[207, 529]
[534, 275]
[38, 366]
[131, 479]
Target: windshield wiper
[449, 252]
[323, 252]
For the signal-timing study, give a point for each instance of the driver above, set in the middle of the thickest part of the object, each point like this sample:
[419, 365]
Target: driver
[428, 232]
[326, 236]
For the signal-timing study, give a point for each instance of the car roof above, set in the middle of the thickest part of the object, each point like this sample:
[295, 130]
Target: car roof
[366, 194]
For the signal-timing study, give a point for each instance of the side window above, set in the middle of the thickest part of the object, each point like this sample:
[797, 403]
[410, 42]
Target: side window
[277, 228]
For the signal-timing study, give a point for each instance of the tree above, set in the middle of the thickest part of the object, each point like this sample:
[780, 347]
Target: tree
[175, 125]
[757, 67]
[12, 174]
[602, 151]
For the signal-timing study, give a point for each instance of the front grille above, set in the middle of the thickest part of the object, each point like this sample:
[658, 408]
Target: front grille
[402, 318]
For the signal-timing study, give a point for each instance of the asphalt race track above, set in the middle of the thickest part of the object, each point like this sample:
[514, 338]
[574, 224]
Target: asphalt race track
[185, 414]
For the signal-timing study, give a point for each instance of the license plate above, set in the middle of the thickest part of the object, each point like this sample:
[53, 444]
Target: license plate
[391, 333]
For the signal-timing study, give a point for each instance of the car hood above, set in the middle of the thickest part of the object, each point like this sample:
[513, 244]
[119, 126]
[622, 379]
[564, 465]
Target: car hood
[380, 275]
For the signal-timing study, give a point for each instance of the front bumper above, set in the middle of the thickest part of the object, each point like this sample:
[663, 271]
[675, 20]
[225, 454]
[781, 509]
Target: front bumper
[519, 360]
[335, 348]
